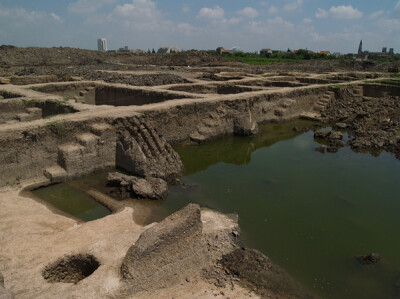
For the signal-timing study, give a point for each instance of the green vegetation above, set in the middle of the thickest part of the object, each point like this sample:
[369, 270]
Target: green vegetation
[57, 128]
[335, 86]
[281, 57]
[385, 58]
[397, 75]
[28, 103]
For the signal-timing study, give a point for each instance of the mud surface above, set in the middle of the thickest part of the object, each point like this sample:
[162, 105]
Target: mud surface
[257, 272]
[372, 122]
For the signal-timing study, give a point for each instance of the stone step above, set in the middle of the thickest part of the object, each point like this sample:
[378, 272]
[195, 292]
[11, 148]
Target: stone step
[56, 174]
[70, 156]
[319, 108]
[23, 116]
[82, 93]
[279, 112]
[88, 140]
[4, 80]
[325, 101]
[287, 103]
[311, 116]
[35, 112]
[100, 128]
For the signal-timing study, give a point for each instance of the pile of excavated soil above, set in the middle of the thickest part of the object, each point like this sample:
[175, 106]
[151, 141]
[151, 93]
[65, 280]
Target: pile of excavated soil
[32, 56]
[373, 123]
[256, 272]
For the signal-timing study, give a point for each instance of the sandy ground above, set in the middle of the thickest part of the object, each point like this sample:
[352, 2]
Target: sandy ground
[32, 236]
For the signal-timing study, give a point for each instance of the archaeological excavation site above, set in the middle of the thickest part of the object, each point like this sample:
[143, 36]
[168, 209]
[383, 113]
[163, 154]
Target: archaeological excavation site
[188, 176]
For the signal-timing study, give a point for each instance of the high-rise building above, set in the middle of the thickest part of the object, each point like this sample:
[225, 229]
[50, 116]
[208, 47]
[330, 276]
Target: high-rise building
[102, 44]
[360, 49]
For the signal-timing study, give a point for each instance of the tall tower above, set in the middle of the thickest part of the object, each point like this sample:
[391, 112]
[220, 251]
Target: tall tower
[360, 51]
[102, 44]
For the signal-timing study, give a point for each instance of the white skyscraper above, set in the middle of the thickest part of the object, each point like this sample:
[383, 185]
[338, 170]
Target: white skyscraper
[102, 44]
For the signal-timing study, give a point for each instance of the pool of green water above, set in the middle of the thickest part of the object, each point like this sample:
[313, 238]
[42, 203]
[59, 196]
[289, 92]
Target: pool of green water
[311, 213]
[69, 199]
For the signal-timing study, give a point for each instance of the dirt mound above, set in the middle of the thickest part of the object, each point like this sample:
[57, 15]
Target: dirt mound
[32, 56]
[372, 120]
[256, 272]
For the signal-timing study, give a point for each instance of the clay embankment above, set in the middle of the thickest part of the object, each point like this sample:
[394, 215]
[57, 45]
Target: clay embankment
[370, 114]
[74, 143]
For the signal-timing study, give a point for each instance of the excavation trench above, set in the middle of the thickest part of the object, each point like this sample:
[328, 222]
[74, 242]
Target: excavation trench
[95, 94]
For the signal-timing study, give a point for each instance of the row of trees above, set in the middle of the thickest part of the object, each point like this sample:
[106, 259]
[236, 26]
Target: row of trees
[298, 55]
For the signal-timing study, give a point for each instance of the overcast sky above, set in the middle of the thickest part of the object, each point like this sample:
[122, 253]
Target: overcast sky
[203, 24]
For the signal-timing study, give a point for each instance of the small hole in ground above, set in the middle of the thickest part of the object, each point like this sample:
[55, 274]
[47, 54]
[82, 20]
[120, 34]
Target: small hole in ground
[71, 268]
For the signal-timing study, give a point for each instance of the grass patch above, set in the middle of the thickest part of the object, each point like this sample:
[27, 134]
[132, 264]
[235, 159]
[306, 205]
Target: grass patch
[57, 128]
[259, 60]
[270, 75]
[397, 75]
[335, 86]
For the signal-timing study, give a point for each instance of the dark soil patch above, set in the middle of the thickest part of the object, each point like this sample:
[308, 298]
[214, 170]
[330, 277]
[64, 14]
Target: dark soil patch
[256, 272]
[71, 268]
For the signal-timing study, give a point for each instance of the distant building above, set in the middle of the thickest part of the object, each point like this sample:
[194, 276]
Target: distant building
[167, 50]
[102, 44]
[327, 53]
[265, 52]
[124, 49]
[221, 51]
[365, 54]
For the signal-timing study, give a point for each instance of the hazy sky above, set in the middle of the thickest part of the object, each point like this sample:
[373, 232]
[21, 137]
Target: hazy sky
[203, 24]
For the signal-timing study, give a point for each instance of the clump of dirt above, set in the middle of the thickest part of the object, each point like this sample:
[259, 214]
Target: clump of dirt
[372, 122]
[254, 271]
[71, 269]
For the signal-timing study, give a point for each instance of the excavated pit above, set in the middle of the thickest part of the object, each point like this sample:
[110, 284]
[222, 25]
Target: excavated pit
[28, 110]
[71, 268]
[94, 94]
[273, 83]
[213, 89]
[8, 95]
[115, 96]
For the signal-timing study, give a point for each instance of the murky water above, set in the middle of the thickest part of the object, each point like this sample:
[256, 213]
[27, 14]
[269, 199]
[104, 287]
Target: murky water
[72, 200]
[311, 213]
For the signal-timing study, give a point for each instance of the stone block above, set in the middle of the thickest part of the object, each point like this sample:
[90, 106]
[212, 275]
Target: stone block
[4, 80]
[70, 157]
[165, 253]
[35, 113]
[55, 174]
